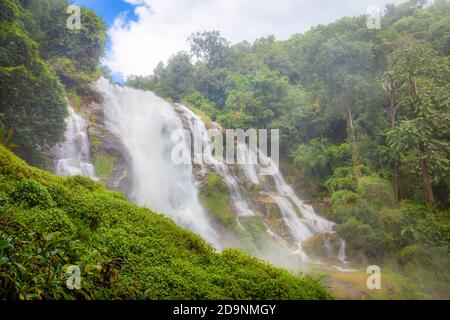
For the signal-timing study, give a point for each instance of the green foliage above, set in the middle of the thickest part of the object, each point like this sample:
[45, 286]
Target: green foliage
[256, 229]
[124, 251]
[355, 232]
[421, 135]
[318, 158]
[31, 99]
[6, 137]
[75, 54]
[31, 194]
[342, 179]
[104, 165]
[208, 46]
[322, 89]
[215, 197]
[199, 103]
[84, 182]
[344, 198]
[376, 191]
[37, 51]
[8, 11]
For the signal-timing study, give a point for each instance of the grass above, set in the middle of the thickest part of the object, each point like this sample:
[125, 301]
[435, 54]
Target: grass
[104, 165]
[123, 251]
[216, 199]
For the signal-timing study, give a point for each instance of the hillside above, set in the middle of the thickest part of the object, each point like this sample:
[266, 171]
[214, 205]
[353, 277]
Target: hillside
[124, 251]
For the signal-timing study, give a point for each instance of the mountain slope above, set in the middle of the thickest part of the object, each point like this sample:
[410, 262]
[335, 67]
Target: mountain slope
[48, 223]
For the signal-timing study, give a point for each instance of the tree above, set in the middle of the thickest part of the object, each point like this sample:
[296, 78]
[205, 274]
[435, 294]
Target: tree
[175, 81]
[6, 137]
[392, 87]
[31, 97]
[422, 129]
[341, 80]
[209, 47]
[74, 54]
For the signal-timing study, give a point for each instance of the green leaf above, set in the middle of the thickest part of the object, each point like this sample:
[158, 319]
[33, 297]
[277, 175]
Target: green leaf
[4, 244]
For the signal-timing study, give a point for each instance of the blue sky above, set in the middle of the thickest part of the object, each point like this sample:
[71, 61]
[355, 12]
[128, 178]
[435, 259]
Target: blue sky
[108, 9]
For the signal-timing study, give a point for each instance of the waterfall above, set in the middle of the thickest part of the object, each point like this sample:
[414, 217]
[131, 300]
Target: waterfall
[300, 219]
[144, 123]
[341, 254]
[316, 223]
[73, 155]
[198, 129]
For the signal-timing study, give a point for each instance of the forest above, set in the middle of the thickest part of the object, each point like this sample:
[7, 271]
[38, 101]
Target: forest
[363, 116]
[364, 122]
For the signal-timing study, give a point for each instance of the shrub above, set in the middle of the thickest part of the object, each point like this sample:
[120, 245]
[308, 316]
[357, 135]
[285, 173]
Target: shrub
[318, 158]
[104, 165]
[48, 220]
[407, 253]
[124, 251]
[343, 198]
[376, 191]
[343, 179]
[214, 183]
[85, 182]
[354, 232]
[31, 194]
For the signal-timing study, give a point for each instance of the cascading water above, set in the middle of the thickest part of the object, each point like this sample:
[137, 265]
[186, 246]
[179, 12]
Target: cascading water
[73, 155]
[300, 219]
[198, 130]
[144, 123]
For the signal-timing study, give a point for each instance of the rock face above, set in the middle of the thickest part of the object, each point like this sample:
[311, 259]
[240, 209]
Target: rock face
[109, 155]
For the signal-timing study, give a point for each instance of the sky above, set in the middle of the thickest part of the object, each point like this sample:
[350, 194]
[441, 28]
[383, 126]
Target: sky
[144, 32]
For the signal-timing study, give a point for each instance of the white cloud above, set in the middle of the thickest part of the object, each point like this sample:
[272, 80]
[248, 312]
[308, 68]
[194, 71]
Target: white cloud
[163, 26]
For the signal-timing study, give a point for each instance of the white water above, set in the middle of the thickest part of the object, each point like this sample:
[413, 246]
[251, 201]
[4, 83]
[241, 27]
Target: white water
[73, 156]
[341, 254]
[299, 218]
[144, 123]
[198, 130]
[316, 223]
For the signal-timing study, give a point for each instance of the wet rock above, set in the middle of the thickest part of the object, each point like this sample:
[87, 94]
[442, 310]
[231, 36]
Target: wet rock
[108, 153]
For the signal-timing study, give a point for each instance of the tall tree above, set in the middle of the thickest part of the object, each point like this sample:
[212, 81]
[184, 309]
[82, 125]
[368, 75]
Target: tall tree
[31, 97]
[209, 47]
[422, 129]
[392, 87]
[342, 80]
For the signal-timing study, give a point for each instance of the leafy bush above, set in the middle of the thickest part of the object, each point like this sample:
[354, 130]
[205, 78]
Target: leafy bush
[85, 182]
[343, 178]
[318, 158]
[343, 198]
[214, 183]
[355, 232]
[215, 197]
[48, 220]
[31, 194]
[124, 251]
[199, 102]
[104, 165]
[376, 191]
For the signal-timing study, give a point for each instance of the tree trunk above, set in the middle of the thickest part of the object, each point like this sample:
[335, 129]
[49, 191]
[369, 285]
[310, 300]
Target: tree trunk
[396, 183]
[355, 154]
[427, 189]
[392, 88]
